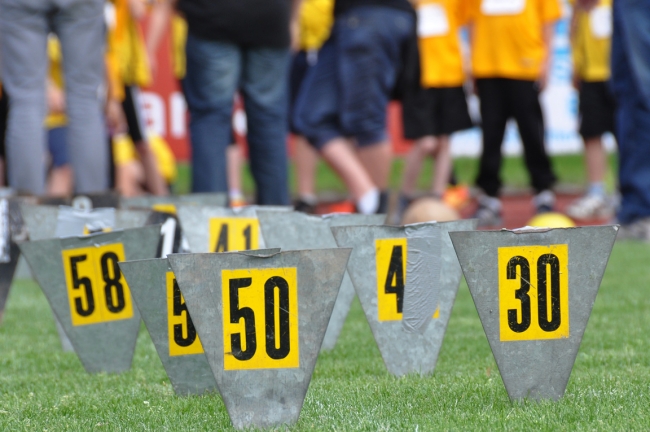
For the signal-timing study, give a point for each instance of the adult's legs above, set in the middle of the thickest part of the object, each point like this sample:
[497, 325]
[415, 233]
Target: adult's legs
[631, 78]
[80, 27]
[494, 115]
[23, 41]
[265, 92]
[523, 99]
[213, 74]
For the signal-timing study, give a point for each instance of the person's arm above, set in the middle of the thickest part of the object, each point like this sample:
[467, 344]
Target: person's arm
[294, 25]
[159, 19]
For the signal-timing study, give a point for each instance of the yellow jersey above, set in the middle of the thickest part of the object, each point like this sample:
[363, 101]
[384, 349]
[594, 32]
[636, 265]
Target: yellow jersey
[591, 42]
[441, 58]
[316, 18]
[128, 46]
[508, 37]
[55, 120]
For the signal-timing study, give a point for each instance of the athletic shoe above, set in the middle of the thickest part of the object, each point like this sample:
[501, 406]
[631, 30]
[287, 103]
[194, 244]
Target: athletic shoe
[544, 202]
[590, 207]
[488, 212]
[637, 230]
[303, 206]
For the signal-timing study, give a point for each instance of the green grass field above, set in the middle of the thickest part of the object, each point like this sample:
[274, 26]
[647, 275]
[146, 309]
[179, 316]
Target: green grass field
[42, 388]
[569, 169]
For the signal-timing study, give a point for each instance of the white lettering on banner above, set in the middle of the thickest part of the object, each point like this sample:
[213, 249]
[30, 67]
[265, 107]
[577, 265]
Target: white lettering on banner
[432, 20]
[601, 21]
[503, 7]
[177, 115]
[154, 110]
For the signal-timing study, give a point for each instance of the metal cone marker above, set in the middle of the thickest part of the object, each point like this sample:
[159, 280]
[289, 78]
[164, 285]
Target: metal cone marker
[261, 320]
[406, 279]
[534, 290]
[44, 222]
[219, 229]
[169, 203]
[161, 304]
[12, 230]
[299, 231]
[83, 283]
[163, 310]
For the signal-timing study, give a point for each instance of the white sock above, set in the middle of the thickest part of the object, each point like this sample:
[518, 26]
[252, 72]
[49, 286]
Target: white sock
[369, 202]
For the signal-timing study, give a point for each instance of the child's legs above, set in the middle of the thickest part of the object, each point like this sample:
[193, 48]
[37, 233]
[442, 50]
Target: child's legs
[442, 165]
[340, 155]
[595, 160]
[306, 158]
[413, 163]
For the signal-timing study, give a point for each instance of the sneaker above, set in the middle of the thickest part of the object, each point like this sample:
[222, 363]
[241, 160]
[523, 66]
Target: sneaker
[637, 230]
[544, 202]
[305, 206]
[488, 212]
[590, 207]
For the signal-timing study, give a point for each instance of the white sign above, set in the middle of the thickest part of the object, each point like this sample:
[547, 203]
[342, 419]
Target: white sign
[432, 20]
[503, 7]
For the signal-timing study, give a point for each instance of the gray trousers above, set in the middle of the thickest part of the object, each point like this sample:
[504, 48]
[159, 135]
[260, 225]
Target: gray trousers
[24, 28]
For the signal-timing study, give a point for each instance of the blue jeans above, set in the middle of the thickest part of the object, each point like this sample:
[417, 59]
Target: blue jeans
[346, 93]
[79, 25]
[215, 71]
[631, 85]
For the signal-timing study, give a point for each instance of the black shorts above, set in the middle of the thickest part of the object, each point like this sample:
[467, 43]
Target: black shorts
[435, 111]
[597, 109]
[133, 113]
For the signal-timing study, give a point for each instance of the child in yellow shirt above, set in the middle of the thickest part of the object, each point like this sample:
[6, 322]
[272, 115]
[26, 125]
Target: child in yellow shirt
[591, 33]
[510, 43]
[439, 108]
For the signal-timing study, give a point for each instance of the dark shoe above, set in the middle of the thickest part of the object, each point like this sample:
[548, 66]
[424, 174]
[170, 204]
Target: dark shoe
[637, 230]
[304, 206]
[488, 212]
[544, 202]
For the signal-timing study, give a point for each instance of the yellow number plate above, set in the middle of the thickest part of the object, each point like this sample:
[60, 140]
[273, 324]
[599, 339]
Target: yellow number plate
[183, 338]
[97, 291]
[164, 208]
[233, 234]
[390, 256]
[260, 318]
[534, 292]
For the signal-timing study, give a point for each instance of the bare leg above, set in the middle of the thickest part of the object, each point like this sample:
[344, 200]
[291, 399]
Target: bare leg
[377, 161]
[413, 163]
[235, 160]
[443, 163]
[306, 160]
[343, 159]
[153, 180]
[596, 160]
[128, 178]
[60, 182]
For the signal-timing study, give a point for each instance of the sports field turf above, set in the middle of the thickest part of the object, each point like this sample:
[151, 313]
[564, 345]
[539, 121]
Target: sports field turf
[42, 388]
[569, 169]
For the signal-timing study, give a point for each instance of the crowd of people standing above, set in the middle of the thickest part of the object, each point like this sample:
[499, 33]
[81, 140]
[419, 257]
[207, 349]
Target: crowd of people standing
[326, 70]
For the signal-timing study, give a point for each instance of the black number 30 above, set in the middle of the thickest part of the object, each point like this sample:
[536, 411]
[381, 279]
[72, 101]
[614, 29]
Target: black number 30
[544, 262]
